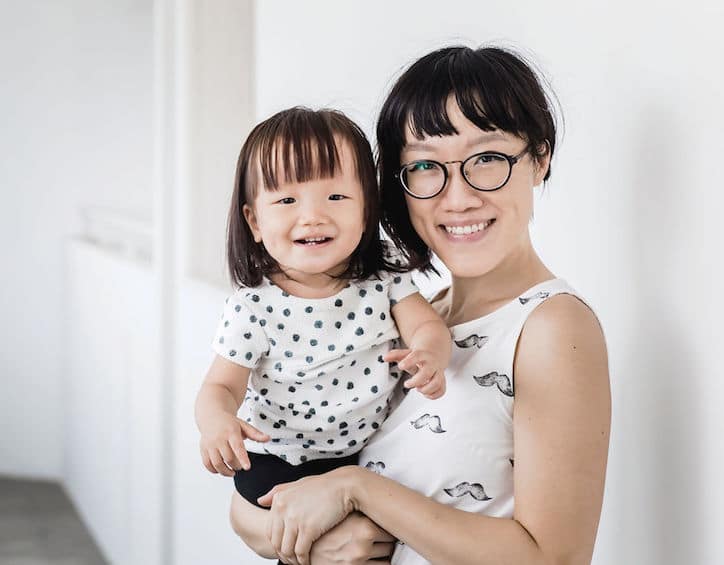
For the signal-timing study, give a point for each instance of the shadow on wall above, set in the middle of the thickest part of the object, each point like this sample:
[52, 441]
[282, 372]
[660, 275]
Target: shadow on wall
[664, 457]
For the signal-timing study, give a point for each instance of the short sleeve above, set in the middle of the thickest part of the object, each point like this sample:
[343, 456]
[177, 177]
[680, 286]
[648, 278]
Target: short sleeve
[401, 286]
[240, 338]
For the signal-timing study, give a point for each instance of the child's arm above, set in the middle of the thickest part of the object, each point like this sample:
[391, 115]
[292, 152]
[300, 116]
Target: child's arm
[429, 345]
[222, 433]
[250, 524]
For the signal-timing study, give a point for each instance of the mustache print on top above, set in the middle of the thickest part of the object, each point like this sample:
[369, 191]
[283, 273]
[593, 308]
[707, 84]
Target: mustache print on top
[475, 490]
[494, 378]
[474, 340]
[432, 422]
[538, 295]
[375, 466]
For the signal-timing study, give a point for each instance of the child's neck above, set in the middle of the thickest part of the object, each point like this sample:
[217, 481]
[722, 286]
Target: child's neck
[303, 285]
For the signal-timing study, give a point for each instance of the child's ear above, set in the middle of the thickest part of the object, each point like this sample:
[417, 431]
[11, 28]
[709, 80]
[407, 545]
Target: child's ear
[251, 220]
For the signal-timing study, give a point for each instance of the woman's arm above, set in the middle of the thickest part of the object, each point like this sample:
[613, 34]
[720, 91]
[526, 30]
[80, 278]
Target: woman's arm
[561, 427]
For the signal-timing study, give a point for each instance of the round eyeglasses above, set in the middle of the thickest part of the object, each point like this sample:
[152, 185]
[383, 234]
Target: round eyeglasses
[486, 171]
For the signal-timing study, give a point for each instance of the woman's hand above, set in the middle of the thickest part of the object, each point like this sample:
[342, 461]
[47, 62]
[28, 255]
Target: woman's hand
[354, 541]
[304, 510]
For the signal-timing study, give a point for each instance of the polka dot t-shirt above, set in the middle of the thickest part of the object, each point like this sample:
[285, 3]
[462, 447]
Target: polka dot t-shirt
[318, 386]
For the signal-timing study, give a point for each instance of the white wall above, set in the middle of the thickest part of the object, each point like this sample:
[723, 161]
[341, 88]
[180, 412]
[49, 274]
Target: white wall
[630, 217]
[75, 132]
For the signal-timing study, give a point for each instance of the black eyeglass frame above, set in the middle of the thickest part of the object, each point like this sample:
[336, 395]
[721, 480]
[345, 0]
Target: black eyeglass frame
[512, 160]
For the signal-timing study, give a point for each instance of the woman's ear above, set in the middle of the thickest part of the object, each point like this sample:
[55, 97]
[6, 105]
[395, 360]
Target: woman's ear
[252, 222]
[543, 161]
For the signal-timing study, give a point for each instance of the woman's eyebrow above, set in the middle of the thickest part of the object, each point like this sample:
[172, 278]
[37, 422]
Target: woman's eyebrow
[484, 137]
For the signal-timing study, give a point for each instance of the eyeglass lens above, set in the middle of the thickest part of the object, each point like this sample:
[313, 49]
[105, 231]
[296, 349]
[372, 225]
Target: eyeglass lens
[485, 172]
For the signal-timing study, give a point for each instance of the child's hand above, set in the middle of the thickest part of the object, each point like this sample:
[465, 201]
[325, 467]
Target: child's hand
[222, 444]
[426, 367]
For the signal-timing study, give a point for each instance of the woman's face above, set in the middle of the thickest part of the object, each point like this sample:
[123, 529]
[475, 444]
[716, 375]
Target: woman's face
[471, 231]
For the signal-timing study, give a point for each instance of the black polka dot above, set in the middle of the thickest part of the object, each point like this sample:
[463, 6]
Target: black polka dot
[350, 385]
[375, 425]
[318, 324]
[280, 326]
[378, 409]
[338, 325]
[221, 339]
[305, 402]
[255, 297]
[319, 430]
[368, 310]
[331, 419]
[285, 293]
[247, 335]
[359, 331]
[335, 381]
[288, 353]
[331, 347]
[278, 366]
[262, 416]
[374, 389]
[303, 458]
[292, 389]
[262, 322]
[252, 319]
[290, 405]
[269, 309]
[313, 342]
[355, 399]
[349, 348]
[338, 303]
[272, 341]
[342, 425]
[300, 436]
[383, 316]
[295, 337]
[226, 324]
[392, 302]
[248, 356]
[379, 287]
[353, 363]
[308, 309]
[352, 443]
[397, 280]
[362, 292]
[232, 353]
[330, 441]
[324, 403]
[318, 387]
[361, 426]
[286, 312]
[301, 374]
[237, 308]
[309, 359]
[350, 316]
[367, 371]
[344, 433]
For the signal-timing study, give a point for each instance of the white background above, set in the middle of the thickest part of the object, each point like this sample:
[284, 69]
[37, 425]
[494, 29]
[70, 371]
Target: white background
[631, 216]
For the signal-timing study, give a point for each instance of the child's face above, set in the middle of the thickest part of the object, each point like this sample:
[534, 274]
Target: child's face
[311, 228]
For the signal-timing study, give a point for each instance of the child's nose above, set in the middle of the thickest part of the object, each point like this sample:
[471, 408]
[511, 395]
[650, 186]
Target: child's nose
[313, 215]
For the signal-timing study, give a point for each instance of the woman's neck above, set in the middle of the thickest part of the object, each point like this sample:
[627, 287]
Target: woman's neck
[472, 297]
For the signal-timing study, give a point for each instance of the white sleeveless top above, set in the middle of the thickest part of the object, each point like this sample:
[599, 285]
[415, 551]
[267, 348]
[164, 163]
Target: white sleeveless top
[458, 449]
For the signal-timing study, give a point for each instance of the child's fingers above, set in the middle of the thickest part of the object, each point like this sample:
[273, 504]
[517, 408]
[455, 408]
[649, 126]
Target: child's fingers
[237, 445]
[395, 355]
[434, 385]
[252, 433]
[230, 457]
[412, 359]
[206, 460]
[420, 378]
[218, 462]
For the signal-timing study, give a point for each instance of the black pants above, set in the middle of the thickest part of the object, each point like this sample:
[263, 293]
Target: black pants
[267, 471]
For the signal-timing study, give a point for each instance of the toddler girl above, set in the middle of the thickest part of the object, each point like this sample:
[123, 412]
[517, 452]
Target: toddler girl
[304, 344]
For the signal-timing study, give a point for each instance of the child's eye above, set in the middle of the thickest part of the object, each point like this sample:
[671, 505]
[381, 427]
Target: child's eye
[337, 197]
[287, 200]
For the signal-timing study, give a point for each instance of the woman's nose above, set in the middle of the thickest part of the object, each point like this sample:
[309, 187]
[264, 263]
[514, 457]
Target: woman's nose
[458, 194]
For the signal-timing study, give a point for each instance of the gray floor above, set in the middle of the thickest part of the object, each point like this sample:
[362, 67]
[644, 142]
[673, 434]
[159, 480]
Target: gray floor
[39, 526]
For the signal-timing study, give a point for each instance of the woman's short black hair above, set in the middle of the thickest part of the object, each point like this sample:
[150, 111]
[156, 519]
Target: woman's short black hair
[300, 144]
[495, 88]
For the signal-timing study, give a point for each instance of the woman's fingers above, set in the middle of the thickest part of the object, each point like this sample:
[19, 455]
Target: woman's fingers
[381, 549]
[289, 540]
[303, 546]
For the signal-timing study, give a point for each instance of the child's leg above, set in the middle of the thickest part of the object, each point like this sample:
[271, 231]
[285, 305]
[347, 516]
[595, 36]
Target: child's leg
[249, 523]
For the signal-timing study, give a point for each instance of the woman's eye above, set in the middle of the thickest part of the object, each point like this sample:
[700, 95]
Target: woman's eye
[287, 200]
[487, 158]
[337, 197]
[421, 166]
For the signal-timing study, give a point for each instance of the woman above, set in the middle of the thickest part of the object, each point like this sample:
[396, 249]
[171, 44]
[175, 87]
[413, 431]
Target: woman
[465, 137]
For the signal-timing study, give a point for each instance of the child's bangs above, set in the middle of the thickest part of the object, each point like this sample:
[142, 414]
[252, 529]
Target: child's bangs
[299, 151]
